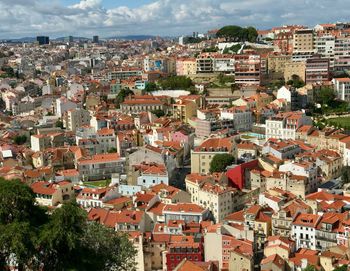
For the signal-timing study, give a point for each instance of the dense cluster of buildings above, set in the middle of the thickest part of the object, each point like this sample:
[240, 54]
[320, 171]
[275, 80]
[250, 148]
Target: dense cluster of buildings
[79, 122]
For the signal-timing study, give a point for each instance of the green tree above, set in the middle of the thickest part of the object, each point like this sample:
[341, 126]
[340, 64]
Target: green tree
[122, 95]
[20, 139]
[106, 250]
[237, 33]
[59, 124]
[230, 32]
[309, 268]
[63, 241]
[20, 220]
[150, 86]
[296, 81]
[325, 95]
[113, 150]
[158, 112]
[220, 162]
[61, 238]
[341, 268]
[345, 174]
[176, 82]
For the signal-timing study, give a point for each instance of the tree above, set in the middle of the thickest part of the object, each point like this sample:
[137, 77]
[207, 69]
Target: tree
[59, 124]
[20, 219]
[158, 112]
[106, 250]
[345, 174]
[296, 81]
[230, 32]
[341, 268]
[150, 86]
[325, 95]
[20, 139]
[125, 92]
[113, 150]
[237, 33]
[309, 268]
[176, 82]
[61, 238]
[63, 241]
[220, 162]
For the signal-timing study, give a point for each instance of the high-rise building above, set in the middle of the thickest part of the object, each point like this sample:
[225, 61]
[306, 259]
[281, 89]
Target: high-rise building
[42, 40]
[95, 39]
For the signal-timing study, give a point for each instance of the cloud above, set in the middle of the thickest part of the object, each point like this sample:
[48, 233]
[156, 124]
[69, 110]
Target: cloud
[161, 17]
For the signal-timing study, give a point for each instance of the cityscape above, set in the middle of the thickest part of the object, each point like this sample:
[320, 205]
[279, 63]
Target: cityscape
[225, 147]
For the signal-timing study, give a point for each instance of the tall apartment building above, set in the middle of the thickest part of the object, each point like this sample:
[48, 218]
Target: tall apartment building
[186, 66]
[76, 118]
[247, 69]
[303, 40]
[317, 70]
[204, 63]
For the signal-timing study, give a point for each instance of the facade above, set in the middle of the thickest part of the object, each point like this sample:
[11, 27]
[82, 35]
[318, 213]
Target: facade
[201, 156]
[303, 40]
[241, 115]
[317, 70]
[101, 166]
[247, 69]
[285, 125]
[75, 118]
[52, 193]
[342, 88]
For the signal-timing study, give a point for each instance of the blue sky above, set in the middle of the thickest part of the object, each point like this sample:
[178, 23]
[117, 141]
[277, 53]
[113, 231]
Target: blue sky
[106, 18]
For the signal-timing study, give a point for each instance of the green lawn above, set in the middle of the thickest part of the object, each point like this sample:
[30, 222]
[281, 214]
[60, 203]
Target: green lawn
[342, 122]
[101, 183]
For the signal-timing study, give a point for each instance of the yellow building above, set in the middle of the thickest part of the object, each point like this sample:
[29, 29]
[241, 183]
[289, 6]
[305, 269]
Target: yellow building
[303, 40]
[294, 68]
[277, 63]
[240, 261]
[184, 110]
[202, 155]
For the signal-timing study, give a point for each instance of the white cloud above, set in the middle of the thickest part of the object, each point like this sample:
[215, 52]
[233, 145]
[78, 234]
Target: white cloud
[162, 17]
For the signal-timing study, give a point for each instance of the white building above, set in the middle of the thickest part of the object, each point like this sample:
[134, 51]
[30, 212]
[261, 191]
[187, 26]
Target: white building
[342, 88]
[285, 125]
[63, 105]
[152, 174]
[304, 230]
[241, 116]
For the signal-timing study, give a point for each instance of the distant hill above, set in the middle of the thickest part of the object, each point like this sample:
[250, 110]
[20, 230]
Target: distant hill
[133, 37]
[63, 39]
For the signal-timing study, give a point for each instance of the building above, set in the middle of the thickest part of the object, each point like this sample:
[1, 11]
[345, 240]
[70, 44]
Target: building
[135, 106]
[183, 247]
[317, 70]
[151, 174]
[184, 110]
[342, 88]
[219, 199]
[247, 69]
[294, 68]
[241, 115]
[284, 125]
[303, 230]
[52, 193]
[95, 39]
[43, 40]
[101, 166]
[75, 118]
[303, 40]
[202, 155]
[186, 66]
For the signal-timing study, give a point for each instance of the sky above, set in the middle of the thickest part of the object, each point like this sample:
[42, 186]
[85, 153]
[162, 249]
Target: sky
[107, 18]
